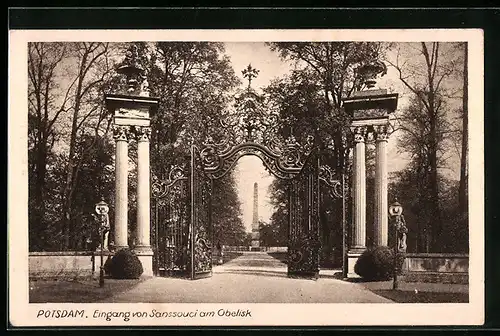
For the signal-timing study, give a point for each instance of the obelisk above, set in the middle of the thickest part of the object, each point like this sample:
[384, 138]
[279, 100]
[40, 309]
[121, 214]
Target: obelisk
[255, 220]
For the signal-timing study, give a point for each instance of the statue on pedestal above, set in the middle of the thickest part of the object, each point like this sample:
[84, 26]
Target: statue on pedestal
[104, 230]
[106, 244]
[402, 231]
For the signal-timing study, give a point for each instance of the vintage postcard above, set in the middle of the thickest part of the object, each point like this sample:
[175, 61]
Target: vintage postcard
[245, 177]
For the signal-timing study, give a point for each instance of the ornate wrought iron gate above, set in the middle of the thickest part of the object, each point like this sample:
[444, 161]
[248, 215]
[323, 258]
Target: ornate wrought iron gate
[200, 249]
[183, 223]
[171, 224]
[303, 228]
[183, 218]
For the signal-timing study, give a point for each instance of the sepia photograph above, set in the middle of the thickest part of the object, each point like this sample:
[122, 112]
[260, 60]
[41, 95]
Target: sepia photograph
[246, 177]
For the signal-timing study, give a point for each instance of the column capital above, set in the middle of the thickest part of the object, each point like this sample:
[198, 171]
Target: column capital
[359, 133]
[381, 133]
[121, 132]
[142, 133]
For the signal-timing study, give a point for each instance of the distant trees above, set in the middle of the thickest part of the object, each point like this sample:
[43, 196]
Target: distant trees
[44, 109]
[274, 233]
[464, 132]
[228, 228]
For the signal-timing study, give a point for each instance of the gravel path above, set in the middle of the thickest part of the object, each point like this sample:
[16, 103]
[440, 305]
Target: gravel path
[254, 277]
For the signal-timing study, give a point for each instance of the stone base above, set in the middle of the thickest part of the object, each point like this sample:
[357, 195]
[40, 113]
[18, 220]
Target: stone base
[118, 248]
[352, 258]
[145, 255]
[255, 249]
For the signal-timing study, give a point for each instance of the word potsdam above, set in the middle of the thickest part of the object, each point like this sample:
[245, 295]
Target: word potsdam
[60, 313]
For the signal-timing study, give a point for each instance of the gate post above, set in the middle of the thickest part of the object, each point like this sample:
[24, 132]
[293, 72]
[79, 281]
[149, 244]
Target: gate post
[131, 107]
[369, 109]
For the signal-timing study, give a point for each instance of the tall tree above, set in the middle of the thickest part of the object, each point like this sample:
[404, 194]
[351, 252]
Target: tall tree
[193, 81]
[92, 68]
[47, 102]
[463, 187]
[331, 68]
[426, 127]
[277, 230]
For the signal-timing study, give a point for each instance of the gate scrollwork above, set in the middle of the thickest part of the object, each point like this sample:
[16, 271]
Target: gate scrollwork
[327, 175]
[303, 237]
[254, 129]
[171, 218]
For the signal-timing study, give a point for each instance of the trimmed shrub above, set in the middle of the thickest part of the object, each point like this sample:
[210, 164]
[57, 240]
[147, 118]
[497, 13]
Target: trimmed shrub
[125, 265]
[377, 264]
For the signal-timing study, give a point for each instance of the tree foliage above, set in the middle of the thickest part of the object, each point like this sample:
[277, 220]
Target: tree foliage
[45, 106]
[194, 81]
[70, 146]
[226, 213]
[65, 90]
[426, 134]
[310, 99]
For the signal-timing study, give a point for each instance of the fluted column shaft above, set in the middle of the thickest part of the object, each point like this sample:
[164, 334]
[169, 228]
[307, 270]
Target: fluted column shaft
[381, 203]
[359, 188]
[143, 189]
[121, 134]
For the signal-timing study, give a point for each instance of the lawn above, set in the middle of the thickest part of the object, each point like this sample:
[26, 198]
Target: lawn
[402, 296]
[77, 291]
[418, 292]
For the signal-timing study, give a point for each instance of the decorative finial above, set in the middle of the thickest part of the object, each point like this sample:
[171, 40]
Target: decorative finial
[131, 68]
[368, 73]
[250, 73]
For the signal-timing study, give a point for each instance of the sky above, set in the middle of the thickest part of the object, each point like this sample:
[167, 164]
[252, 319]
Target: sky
[249, 169]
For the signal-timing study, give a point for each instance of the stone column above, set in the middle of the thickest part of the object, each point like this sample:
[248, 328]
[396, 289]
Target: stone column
[121, 135]
[143, 190]
[381, 204]
[359, 189]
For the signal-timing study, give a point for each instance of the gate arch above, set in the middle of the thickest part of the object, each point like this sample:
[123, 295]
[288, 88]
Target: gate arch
[282, 166]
